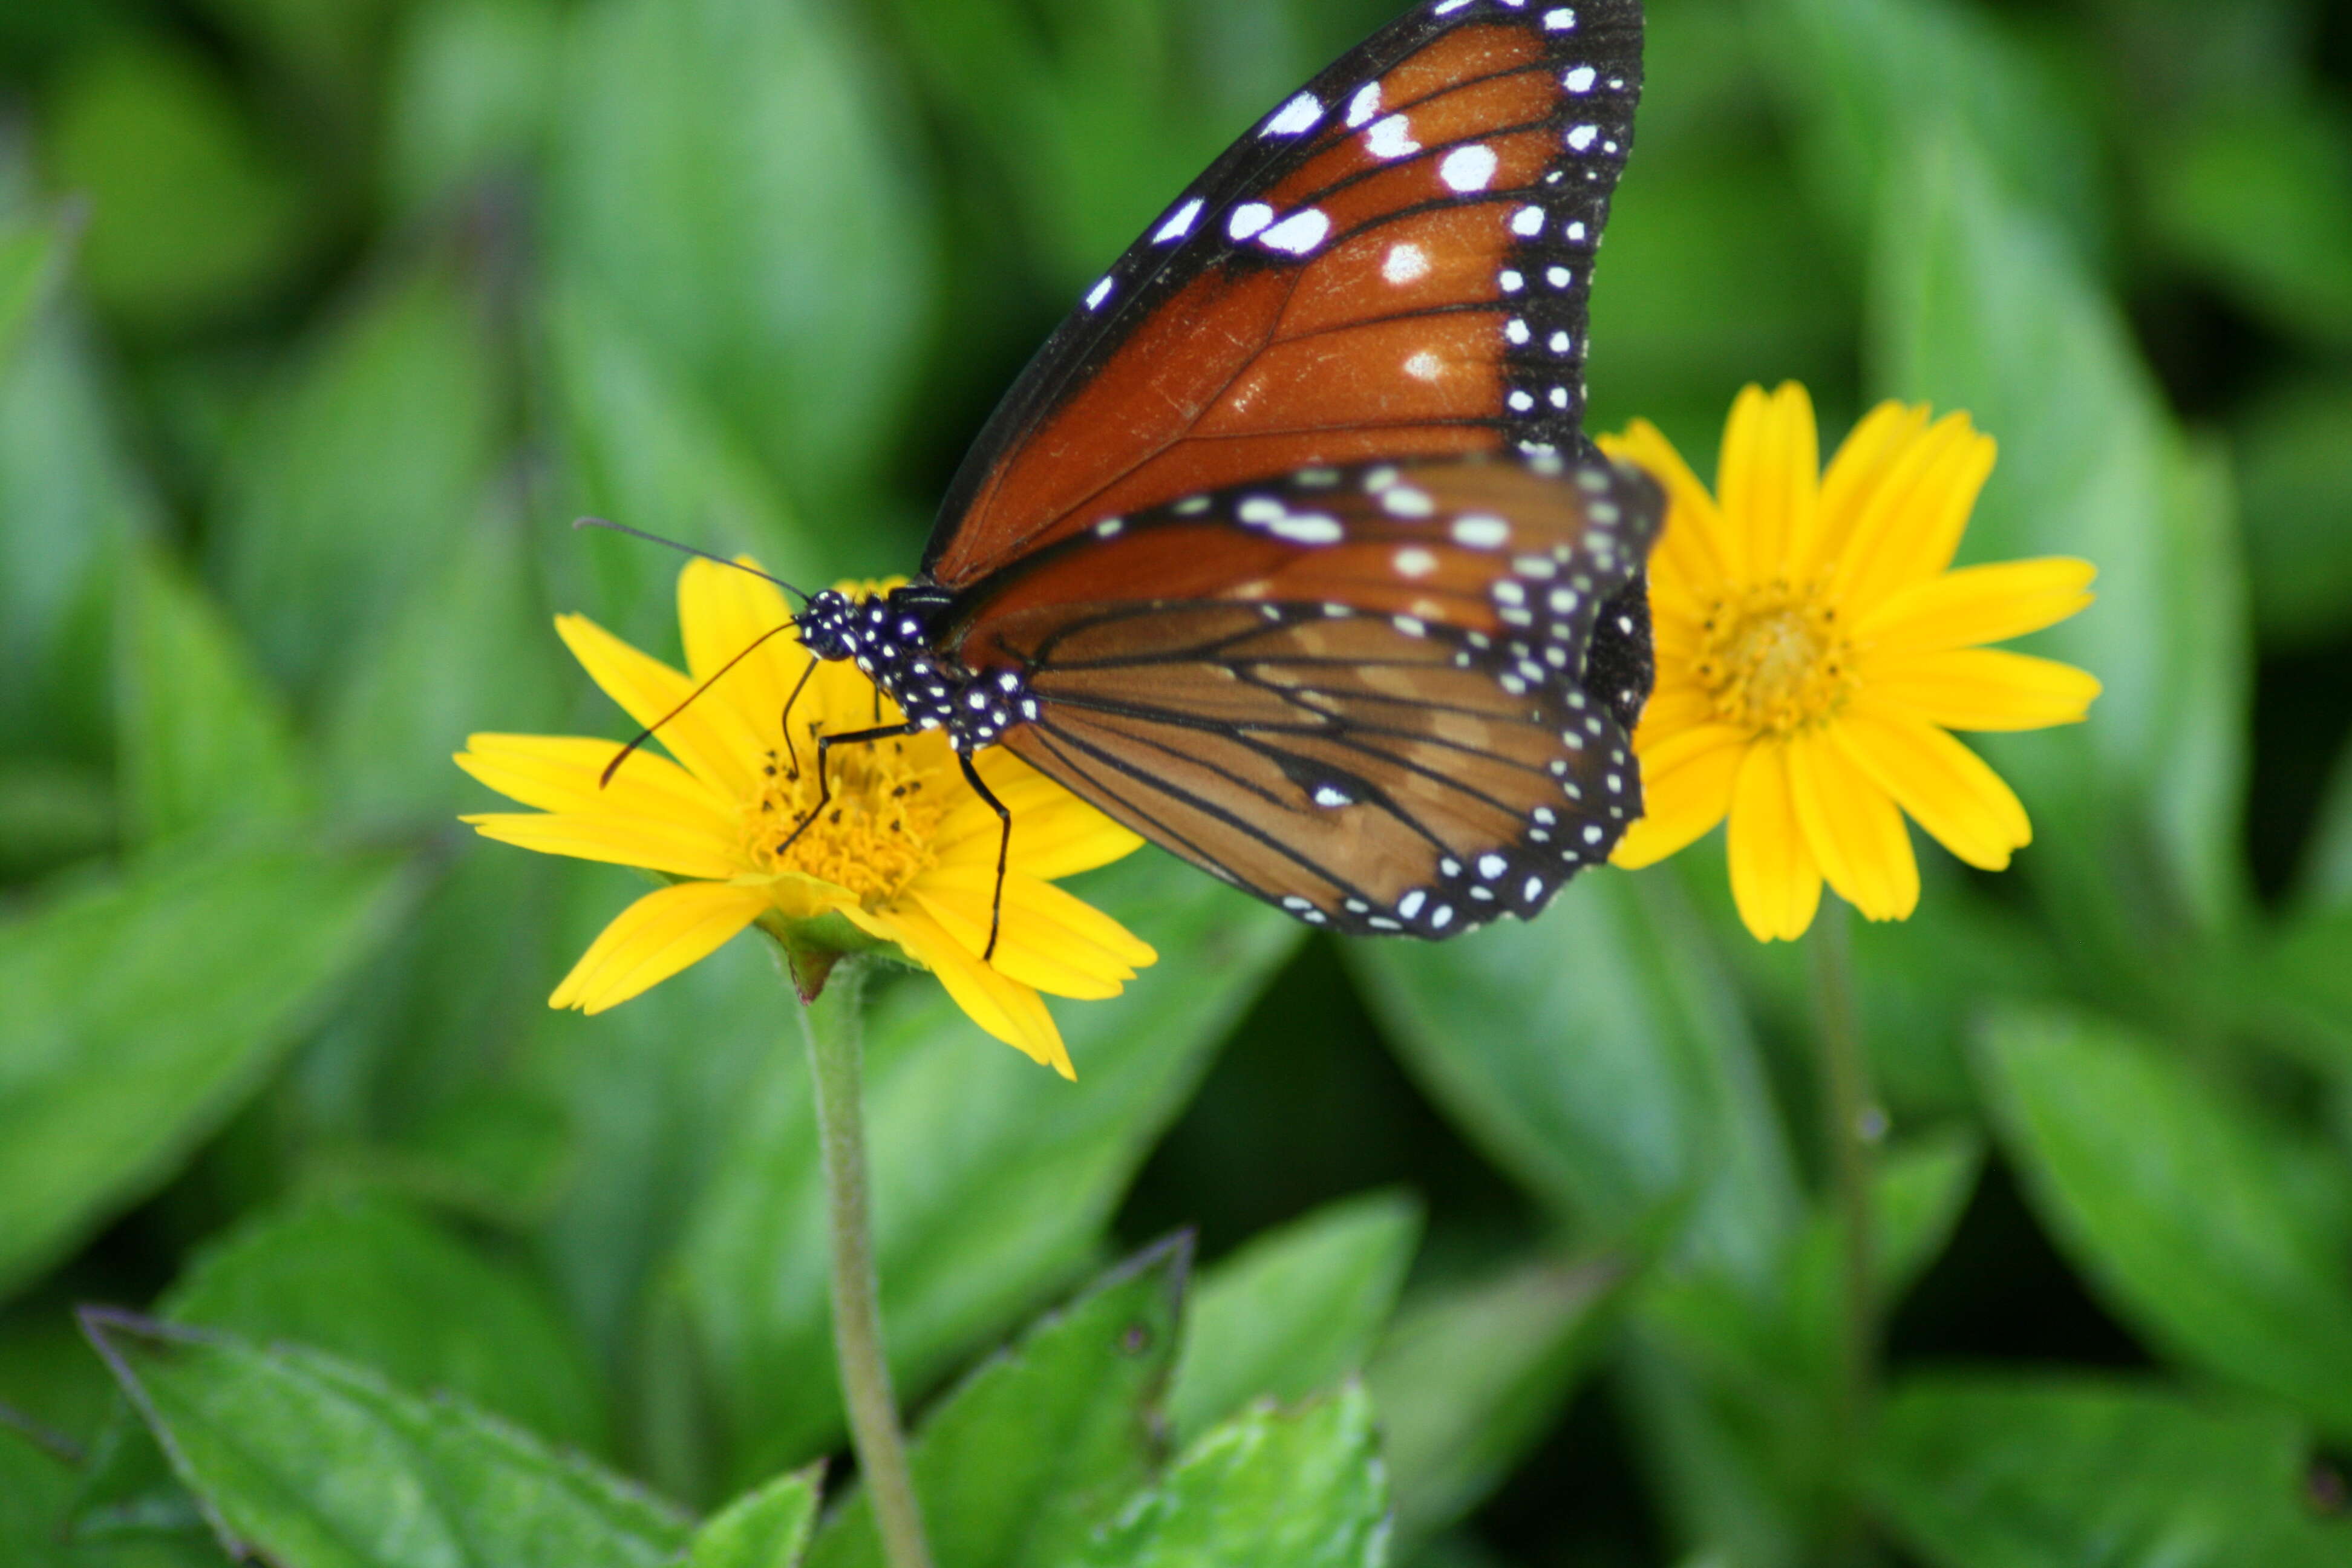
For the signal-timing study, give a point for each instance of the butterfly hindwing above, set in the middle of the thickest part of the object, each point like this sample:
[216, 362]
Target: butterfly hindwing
[1359, 692]
[1392, 262]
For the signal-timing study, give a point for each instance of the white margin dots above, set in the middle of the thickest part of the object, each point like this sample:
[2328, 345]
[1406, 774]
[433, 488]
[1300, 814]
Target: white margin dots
[1515, 330]
[1412, 560]
[1511, 281]
[1575, 232]
[1391, 138]
[1179, 224]
[1521, 402]
[1580, 137]
[1580, 79]
[1481, 532]
[1109, 527]
[1312, 529]
[1300, 233]
[1364, 105]
[1261, 510]
[1299, 115]
[1403, 500]
[1467, 169]
[1528, 222]
[1447, 7]
[1559, 276]
[1098, 294]
[1248, 218]
[1560, 21]
[1560, 343]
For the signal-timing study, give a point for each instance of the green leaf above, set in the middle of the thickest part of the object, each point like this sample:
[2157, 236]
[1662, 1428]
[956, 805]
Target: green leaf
[469, 649]
[1468, 1380]
[191, 216]
[1294, 1310]
[355, 479]
[2217, 1233]
[646, 447]
[31, 257]
[140, 1012]
[768, 1528]
[372, 1280]
[993, 1181]
[320, 1464]
[2077, 1472]
[1661, 1101]
[686, 186]
[2296, 491]
[34, 1489]
[1266, 1490]
[1034, 1450]
[1980, 305]
[2259, 198]
[472, 83]
[204, 743]
[1863, 78]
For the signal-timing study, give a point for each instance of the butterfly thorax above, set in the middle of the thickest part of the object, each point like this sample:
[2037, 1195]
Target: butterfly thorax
[888, 637]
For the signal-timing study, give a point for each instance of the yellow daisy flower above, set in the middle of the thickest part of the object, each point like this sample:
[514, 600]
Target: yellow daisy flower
[906, 852]
[1816, 646]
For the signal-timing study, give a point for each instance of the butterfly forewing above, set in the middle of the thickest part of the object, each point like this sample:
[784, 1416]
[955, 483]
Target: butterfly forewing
[1394, 262]
[1358, 692]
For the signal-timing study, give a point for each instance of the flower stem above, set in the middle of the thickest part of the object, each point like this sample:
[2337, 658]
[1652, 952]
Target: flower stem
[1850, 1121]
[834, 1026]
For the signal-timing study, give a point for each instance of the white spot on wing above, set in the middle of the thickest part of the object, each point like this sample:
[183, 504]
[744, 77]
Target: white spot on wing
[1580, 138]
[1311, 530]
[1526, 223]
[1180, 224]
[1560, 21]
[1580, 79]
[1391, 138]
[1300, 233]
[1364, 105]
[1096, 296]
[1414, 562]
[1248, 218]
[1299, 114]
[1468, 168]
[1405, 263]
[1424, 366]
[1481, 532]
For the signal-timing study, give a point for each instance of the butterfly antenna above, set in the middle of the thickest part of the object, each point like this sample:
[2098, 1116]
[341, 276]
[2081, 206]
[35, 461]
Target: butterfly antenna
[647, 732]
[686, 550]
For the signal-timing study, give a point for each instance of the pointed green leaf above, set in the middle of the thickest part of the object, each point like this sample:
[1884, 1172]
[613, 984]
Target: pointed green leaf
[1294, 1310]
[994, 1180]
[2215, 1231]
[1467, 1381]
[1035, 1449]
[204, 743]
[768, 1528]
[318, 1463]
[140, 1012]
[1267, 1489]
[1660, 1100]
[2077, 1472]
[354, 477]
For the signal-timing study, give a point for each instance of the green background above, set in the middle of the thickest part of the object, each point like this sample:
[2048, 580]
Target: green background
[320, 319]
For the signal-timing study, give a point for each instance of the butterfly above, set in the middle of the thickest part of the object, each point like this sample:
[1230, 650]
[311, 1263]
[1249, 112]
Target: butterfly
[1288, 550]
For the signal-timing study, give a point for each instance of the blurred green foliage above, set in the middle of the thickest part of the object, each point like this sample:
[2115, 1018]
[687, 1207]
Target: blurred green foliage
[318, 318]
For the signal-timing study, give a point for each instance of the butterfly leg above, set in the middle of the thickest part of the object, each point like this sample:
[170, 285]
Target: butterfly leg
[825, 744]
[1004, 847]
[792, 754]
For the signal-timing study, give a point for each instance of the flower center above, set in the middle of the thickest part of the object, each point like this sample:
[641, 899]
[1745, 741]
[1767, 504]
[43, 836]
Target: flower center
[1775, 659]
[875, 834]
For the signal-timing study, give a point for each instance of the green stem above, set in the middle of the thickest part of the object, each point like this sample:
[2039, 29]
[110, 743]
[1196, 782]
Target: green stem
[1851, 1118]
[834, 1026]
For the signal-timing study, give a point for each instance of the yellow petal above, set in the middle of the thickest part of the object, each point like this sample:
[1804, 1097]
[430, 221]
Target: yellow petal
[1004, 1006]
[1977, 605]
[1982, 689]
[1861, 464]
[1854, 831]
[1054, 917]
[1019, 955]
[1055, 834]
[1696, 555]
[1909, 523]
[679, 848]
[726, 616]
[1769, 479]
[1675, 705]
[1948, 789]
[654, 938]
[565, 772]
[711, 738]
[1687, 782]
[1774, 878]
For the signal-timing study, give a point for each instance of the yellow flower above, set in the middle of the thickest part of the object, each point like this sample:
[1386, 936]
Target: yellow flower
[906, 852]
[1814, 646]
